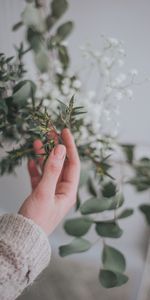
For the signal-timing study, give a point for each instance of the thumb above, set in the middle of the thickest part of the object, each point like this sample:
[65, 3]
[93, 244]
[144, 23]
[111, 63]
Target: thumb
[52, 169]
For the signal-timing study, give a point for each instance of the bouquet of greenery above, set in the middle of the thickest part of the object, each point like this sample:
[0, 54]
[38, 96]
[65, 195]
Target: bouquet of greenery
[59, 98]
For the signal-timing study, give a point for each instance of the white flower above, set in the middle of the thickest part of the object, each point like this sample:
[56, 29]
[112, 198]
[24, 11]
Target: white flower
[107, 61]
[76, 84]
[65, 89]
[39, 93]
[46, 102]
[91, 94]
[122, 51]
[64, 43]
[129, 93]
[134, 72]
[107, 90]
[120, 62]
[55, 93]
[29, 100]
[97, 54]
[66, 81]
[119, 80]
[113, 41]
[44, 77]
[59, 70]
[119, 95]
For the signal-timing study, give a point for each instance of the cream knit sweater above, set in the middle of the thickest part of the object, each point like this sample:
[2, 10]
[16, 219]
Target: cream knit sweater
[24, 253]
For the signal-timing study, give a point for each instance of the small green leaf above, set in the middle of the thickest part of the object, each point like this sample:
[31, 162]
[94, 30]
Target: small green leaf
[63, 56]
[22, 91]
[92, 187]
[76, 246]
[113, 259]
[111, 279]
[145, 209]
[17, 26]
[84, 175]
[95, 205]
[92, 206]
[3, 106]
[64, 30]
[126, 213]
[58, 8]
[109, 189]
[108, 229]
[35, 39]
[42, 60]
[129, 151]
[78, 226]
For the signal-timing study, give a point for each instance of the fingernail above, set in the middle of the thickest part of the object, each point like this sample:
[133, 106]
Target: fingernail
[60, 151]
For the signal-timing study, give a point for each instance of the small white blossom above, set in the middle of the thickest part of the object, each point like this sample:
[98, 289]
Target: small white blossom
[119, 96]
[120, 62]
[134, 72]
[65, 89]
[107, 61]
[129, 93]
[113, 41]
[46, 102]
[64, 43]
[91, 94]
[76, 84]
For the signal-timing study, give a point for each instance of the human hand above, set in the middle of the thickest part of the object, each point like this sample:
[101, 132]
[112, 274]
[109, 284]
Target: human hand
[54, 191]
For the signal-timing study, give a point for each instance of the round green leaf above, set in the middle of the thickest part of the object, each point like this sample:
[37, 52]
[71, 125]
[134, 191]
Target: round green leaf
[64, 30]
[58, 8]
[63, 56]
[109, 189]
[93, 205]
[42, 60]
[126, 213]
[92, 187]
[78, 245]
[22, 91]
[113, 259]
[78, 226]
[145, 209]
[108, 229]
[111, 279]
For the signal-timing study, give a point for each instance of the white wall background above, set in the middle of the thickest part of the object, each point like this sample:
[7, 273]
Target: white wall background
[127, 20]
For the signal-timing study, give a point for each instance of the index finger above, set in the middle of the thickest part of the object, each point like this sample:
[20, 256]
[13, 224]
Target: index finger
[71, 171]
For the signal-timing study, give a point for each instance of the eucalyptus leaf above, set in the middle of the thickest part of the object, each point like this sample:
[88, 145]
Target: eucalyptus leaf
[42, 60]
[17, 26]
[63, 56]
[92, 187]
[64, 30]
[129, 152]
[92, 206]
[3, 106]
[126, 213]
[35, 39]
[113, 259]
[58, 8]
[78, 226]
[22, 91]
[108, 229]
[95, 205]
[76, 246]
[111, 279]
[109, 189]
[145, 209]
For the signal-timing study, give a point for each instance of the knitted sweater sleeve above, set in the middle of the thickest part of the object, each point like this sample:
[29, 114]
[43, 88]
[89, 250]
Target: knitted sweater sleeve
[24, 253]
